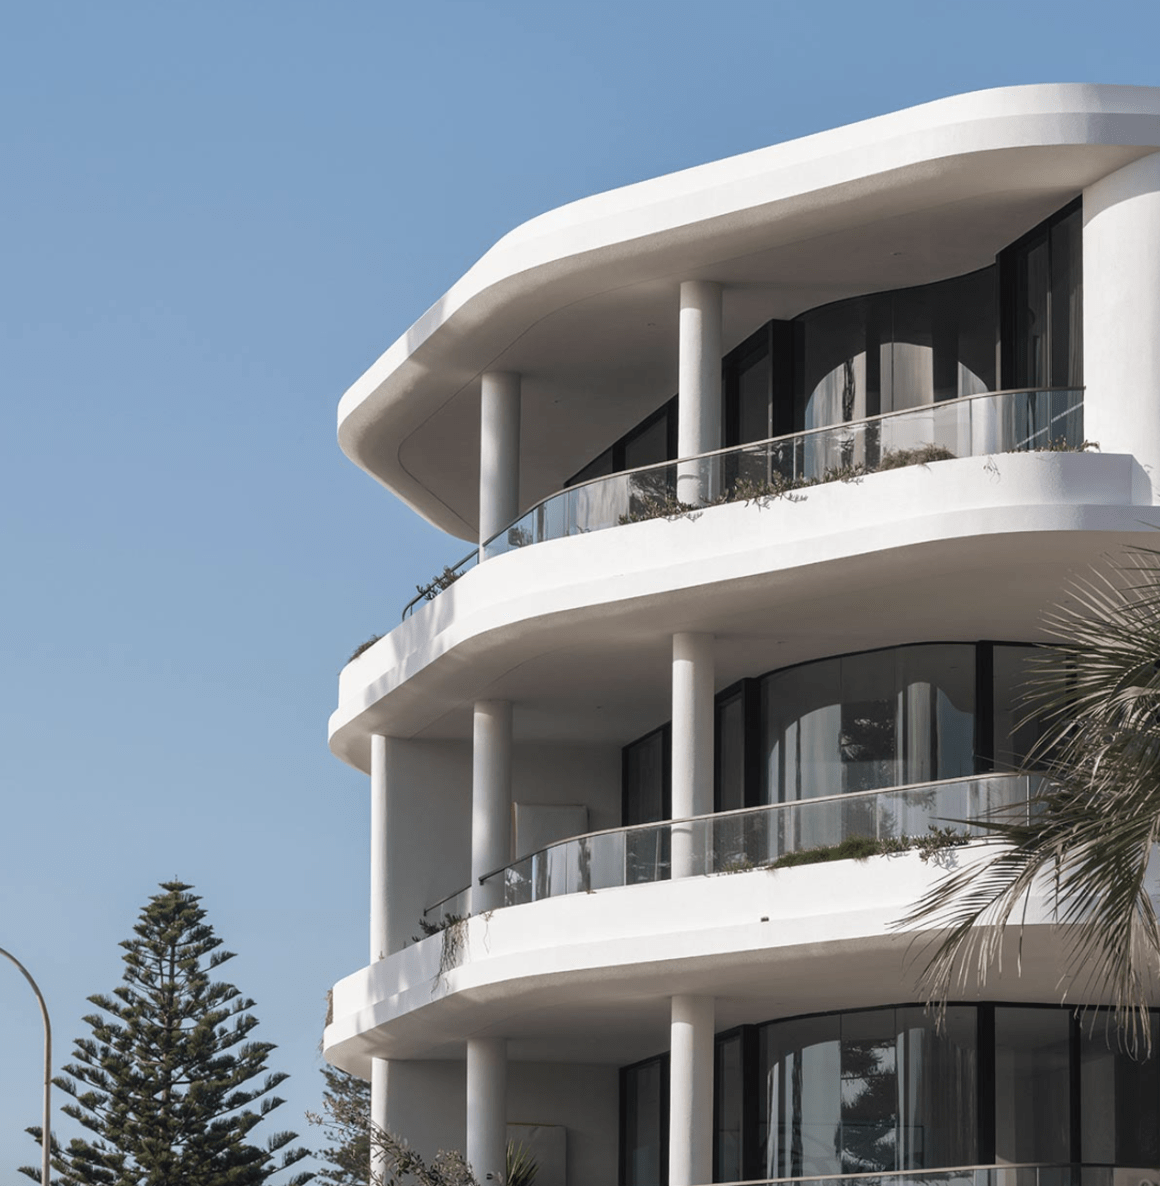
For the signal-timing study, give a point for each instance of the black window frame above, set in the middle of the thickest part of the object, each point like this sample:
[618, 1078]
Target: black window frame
[622, 1152]
[1008, 260]
[985, 1070]
[667, 411]
[666, 732]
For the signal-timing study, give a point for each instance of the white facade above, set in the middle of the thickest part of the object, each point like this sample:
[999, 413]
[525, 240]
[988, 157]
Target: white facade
[719, 640]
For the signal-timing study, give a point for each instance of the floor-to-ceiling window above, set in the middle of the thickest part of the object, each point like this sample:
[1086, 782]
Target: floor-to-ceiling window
[887, 1090]
[1013, 325]
[867, 721]
[646, 797]
[895, 350]
[1042, 289]
[847, 724]
[869, 1092]
[644, 1122]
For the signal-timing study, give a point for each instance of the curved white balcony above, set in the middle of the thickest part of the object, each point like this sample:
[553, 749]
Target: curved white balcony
[588, 975]
[581, 627]
[581, 300]
[1017, 421]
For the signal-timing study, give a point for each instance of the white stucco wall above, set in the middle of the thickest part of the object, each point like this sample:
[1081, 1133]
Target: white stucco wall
[426, 1106]
[768, 565]
[1121, 277]
[429, 815]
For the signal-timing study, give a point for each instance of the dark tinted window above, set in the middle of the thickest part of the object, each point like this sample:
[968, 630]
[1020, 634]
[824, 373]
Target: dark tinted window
[869, 1092]
[1032, 1085]
[860, 722]
[1043, 305]
[645, 1135]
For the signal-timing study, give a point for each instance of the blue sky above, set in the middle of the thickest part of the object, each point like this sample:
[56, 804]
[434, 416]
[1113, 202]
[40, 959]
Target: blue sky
[212, 218]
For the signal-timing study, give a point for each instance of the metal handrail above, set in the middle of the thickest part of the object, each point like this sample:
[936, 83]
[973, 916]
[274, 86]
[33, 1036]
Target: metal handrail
[804, 432]
[444, 901]
[478, 553]
[427, 595]
[844, 797]
[841, 796]
[929, 1172]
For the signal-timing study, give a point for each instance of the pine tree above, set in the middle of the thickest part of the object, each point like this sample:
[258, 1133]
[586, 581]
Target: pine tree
[166, 1082]
[346, 1120]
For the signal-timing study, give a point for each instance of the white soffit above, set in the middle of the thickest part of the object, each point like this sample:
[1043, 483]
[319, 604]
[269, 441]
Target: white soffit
[582, 300]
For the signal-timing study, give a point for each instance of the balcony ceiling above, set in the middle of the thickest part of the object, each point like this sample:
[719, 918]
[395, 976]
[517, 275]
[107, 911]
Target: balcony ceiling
[582, 301]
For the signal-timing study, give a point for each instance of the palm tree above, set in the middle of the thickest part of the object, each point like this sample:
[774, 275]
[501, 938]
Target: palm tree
[1091, 833]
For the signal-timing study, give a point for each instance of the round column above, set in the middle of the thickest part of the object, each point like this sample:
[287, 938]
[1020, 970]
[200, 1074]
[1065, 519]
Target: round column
[379, 920]
[1121, 313]
[487, 1108]
[692, 758]
[699, 388]
[499, 452]
[691, 1091]
[491, 800]
[379, 1076]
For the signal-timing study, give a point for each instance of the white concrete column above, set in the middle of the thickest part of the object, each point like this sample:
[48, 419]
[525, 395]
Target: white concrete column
[379, 921]
[379, 1075]
[699, 388]
[487, 1107]
[491, 800]
[1121, 313]
[692, 764]
[499, 452]
[691, 1091]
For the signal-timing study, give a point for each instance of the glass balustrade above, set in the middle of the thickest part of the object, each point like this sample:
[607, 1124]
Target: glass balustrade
[759, 837]
[451, 909]
[971, 426]
[999, 422]
[971, 1175]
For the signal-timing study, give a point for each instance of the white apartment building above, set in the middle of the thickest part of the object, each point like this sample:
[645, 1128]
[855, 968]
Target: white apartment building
[769, 469]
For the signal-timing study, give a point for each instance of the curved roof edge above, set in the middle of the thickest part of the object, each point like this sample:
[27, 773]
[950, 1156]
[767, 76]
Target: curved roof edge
[631, 233]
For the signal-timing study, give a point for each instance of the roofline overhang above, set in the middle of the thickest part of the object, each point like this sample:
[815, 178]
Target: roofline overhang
[682, 225]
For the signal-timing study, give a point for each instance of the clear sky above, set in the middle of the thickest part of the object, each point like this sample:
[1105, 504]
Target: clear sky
[213, 218]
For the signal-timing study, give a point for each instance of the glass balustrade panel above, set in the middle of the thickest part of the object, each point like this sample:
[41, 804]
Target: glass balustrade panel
[737, 841]
[975, 425]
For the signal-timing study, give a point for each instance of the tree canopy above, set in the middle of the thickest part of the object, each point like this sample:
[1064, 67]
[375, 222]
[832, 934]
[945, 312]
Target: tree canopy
[346, 1122]
[169, 1085]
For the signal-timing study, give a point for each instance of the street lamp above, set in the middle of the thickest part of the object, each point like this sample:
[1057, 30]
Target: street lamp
[45, 1136]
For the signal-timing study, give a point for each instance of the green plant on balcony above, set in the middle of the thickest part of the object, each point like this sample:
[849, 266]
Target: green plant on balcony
[364, 646]
[453, 928]
[1063, 445]
[858, 848]
[920, 455]
[664, 506]
[437, 584]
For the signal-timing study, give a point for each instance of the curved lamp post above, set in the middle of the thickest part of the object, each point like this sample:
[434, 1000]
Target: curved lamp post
[45, 1136]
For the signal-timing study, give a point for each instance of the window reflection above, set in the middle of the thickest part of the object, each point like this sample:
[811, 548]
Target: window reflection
[1032, 1085]
[644, 1133]
[728, 1108]
[892, 351]
[886, 1091]
[1043, 304]
[869, 1092]
[1120, 1098]
[900, 716]
[862, 722]
[897, 350]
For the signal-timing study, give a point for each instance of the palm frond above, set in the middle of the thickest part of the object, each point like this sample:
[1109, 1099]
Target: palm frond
[1086, 845]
